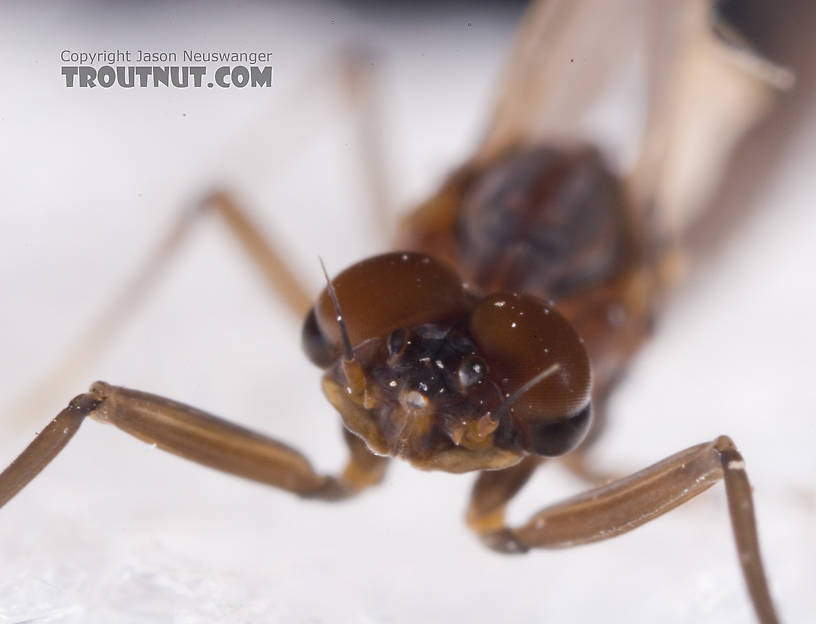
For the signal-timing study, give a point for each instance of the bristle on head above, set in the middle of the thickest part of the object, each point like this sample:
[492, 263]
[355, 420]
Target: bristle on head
[348, 352]
[509, 401]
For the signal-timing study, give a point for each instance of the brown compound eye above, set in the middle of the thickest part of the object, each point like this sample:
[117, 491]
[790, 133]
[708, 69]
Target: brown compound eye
[520, 336]
[317, 347]
[385, 293]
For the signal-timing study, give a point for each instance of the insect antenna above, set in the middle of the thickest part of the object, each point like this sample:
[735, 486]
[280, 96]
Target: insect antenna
[348, 352]
[489, 421]
[351, 367]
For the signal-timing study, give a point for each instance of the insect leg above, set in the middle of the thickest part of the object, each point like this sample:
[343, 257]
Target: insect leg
[349, 78]
[626, 504]
[343, 89]
[491, 493]
[580, 463]
[360, 87]
[197, 436]
[135, 290]
[262, 252]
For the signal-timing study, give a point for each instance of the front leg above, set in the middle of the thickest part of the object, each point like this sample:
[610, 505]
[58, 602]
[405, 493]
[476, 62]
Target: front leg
[626, 504]
[197, 436]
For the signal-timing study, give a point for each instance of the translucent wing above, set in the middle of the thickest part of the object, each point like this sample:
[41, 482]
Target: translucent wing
[701, 87]
[702, 102]
[562, 56]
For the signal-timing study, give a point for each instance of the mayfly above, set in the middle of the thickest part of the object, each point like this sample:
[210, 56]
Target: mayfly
[519, 293]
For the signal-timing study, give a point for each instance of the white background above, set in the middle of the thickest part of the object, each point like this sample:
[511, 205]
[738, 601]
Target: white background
[115, 531]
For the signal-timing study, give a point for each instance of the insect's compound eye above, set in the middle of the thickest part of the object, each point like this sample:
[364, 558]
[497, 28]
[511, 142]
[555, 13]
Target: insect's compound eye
[552, 439]
[522, 336]
[382, 294]
[396, 342]
[317, 347]
[471, 371]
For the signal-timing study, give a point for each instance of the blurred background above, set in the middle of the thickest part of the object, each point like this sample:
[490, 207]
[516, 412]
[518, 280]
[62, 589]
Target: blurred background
[115, 531]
